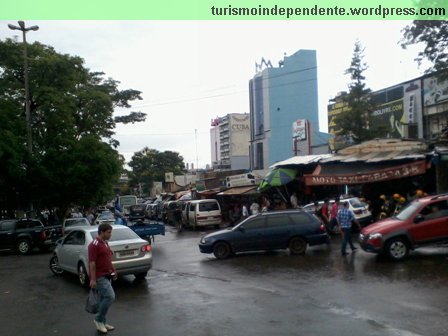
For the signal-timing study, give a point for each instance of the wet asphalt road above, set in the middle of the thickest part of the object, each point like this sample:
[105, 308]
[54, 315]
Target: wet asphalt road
[189, 293]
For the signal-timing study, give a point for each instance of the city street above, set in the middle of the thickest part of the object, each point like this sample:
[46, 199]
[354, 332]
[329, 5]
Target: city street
[189, 293]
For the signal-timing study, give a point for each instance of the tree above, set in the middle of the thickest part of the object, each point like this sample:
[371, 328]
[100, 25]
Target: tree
[356, 120]
[434, 36]
[72, 128]
[150, 165]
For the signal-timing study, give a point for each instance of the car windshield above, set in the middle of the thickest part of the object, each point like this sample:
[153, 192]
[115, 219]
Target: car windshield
[119, 234]
[106, 216]
[356, 203]
[209, 206]
[76, 222]
[407, 211]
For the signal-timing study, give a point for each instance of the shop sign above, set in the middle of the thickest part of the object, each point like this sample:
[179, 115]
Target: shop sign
[398, 172]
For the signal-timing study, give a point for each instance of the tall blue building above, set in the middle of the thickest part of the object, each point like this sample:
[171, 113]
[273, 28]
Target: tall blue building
[279, 96]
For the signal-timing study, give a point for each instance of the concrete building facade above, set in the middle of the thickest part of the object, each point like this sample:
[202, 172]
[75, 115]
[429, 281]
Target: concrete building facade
[279, 96]
[230, 136]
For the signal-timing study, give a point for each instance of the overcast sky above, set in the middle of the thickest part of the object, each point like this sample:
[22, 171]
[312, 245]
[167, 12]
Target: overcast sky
[192, 71]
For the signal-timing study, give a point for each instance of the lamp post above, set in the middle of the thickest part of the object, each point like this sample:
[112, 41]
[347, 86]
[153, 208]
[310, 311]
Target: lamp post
[24, 30]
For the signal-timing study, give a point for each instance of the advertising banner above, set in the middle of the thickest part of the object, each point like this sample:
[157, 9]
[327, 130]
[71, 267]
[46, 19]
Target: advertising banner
[239, 135]
[299, 129]
[434, 91]
[392, 173]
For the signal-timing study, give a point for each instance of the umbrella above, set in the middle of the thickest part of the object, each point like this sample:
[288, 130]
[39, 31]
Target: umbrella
[280, 176]
[263, 184]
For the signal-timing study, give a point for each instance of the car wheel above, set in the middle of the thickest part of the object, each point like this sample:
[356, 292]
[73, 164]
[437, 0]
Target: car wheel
[54, 265]
[297, 245]
[141, 275]
[82, 275]
[24, 246]
[397, 248]
[221, 250]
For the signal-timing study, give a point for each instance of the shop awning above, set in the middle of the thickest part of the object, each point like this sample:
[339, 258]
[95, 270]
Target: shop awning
[209, 192]
[362, 173]
[301, 160]
[239, 191]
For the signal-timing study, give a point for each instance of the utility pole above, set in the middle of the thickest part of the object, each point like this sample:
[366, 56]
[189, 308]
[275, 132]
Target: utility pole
[24, 30]
[196, 140]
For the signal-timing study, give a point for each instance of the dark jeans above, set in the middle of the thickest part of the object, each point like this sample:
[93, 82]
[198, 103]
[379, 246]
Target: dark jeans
[346, 239]
[332, 225]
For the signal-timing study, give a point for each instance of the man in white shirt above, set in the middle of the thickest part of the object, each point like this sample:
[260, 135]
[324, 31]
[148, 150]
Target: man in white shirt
[254, 208]
[294, 201]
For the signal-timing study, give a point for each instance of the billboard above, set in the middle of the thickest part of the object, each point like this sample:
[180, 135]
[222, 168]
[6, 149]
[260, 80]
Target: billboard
[239, 134]
[396, 107]
[390, 118]
[299, 129]
[334, 110]
[435, 91]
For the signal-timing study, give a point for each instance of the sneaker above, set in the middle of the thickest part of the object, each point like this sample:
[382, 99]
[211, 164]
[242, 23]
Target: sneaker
[100, 327]
[109, 327]
[344, 253]
[354, 249]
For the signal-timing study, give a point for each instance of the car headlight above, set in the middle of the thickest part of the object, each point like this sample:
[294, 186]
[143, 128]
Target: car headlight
[375, 236]
[203, 240]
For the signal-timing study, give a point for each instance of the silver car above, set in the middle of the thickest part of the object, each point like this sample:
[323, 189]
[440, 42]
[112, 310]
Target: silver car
[105, 217]
[131, 254]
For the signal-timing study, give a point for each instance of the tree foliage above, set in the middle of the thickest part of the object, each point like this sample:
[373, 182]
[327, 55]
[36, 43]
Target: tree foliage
[434, 36]
[356, 120]
[72, 124]
[150, 165]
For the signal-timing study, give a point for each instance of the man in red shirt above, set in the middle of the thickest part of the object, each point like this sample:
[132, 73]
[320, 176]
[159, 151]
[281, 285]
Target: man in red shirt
[101, 274]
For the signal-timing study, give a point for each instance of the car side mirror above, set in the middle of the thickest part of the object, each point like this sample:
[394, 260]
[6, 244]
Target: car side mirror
[242, 229]
[59, 241]
[418, 219]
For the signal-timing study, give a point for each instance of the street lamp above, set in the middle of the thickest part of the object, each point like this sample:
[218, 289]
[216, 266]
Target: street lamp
[25, 71]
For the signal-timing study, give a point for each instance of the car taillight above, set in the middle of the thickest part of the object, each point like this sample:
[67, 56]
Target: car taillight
[146, 248]
[322, 228]
[43, 235]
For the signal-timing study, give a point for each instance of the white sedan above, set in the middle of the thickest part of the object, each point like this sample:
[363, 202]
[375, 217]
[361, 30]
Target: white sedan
[131, 254]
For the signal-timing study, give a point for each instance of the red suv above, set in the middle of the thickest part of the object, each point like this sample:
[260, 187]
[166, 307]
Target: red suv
[422, 222]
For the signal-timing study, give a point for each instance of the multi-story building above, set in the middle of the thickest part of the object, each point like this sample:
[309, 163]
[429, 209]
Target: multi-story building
[414, 109]
[230, 137]
[279, 98]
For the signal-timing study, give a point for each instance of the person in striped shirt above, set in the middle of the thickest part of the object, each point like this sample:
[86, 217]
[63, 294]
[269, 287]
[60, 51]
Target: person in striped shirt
[346, 218]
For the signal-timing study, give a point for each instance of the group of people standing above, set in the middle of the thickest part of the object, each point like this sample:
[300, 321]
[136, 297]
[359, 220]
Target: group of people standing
[338, 218]
[241, 211]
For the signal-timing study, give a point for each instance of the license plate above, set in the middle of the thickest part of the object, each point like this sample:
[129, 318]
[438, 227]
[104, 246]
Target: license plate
[129, 253]
[210, 218]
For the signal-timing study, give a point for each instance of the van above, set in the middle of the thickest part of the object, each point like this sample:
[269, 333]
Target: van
[126, 202]
[203, 213]
[241, 180]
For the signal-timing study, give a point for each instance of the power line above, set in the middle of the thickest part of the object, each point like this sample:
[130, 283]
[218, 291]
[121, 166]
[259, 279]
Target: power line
[236, 92]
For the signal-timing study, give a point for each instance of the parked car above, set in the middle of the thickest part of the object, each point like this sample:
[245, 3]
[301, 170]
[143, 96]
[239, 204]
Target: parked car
[105, 217]
[360, 209]
[69, 223]
[422, 222]
[24, 235]
[137, 212]
[286, 229]
[131, 254]
[172, 207]
[151, 211]
[204, 212]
